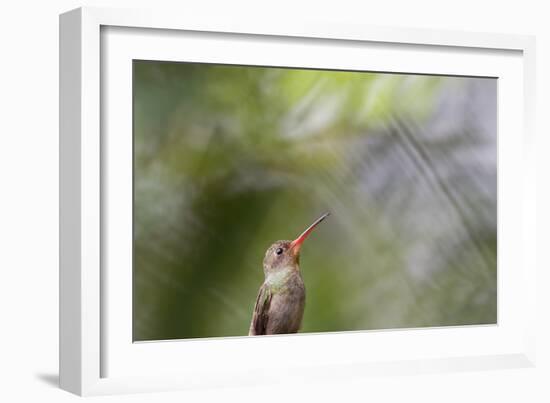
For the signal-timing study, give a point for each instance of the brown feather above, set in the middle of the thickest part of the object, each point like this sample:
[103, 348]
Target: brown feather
[260, 317]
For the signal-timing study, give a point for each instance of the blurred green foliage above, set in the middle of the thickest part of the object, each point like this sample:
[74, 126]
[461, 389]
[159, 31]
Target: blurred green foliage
[229, 159]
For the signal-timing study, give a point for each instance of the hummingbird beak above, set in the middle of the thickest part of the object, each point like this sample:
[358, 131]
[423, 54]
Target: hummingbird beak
[297, 243]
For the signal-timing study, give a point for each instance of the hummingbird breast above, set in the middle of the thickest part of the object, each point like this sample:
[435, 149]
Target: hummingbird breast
[287, 306]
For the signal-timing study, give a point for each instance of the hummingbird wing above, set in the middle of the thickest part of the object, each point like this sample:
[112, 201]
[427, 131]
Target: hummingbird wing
[261, 312]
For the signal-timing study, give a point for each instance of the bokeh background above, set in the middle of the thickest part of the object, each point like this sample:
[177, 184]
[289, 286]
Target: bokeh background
[229, 159]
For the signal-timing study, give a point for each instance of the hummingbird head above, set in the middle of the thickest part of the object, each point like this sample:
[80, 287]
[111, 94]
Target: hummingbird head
[286, 254]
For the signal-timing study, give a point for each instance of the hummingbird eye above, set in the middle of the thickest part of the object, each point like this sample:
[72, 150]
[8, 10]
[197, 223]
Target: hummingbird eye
[279, 251]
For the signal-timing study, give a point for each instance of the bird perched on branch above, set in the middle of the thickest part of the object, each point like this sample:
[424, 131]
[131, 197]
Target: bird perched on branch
[281, 300]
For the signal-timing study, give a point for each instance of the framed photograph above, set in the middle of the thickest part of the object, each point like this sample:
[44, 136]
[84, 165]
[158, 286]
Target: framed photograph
[246, 202]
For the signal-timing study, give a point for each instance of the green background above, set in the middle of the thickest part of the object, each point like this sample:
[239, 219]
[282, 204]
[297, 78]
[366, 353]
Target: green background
[229, 159]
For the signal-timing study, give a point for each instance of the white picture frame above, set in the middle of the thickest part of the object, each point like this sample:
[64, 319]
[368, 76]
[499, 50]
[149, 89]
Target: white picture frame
[96, 354]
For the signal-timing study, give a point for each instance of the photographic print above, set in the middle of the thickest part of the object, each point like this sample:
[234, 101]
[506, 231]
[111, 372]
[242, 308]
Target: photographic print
[272, 200]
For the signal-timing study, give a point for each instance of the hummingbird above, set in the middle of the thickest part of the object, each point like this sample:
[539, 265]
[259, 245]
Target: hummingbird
[281, 300]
